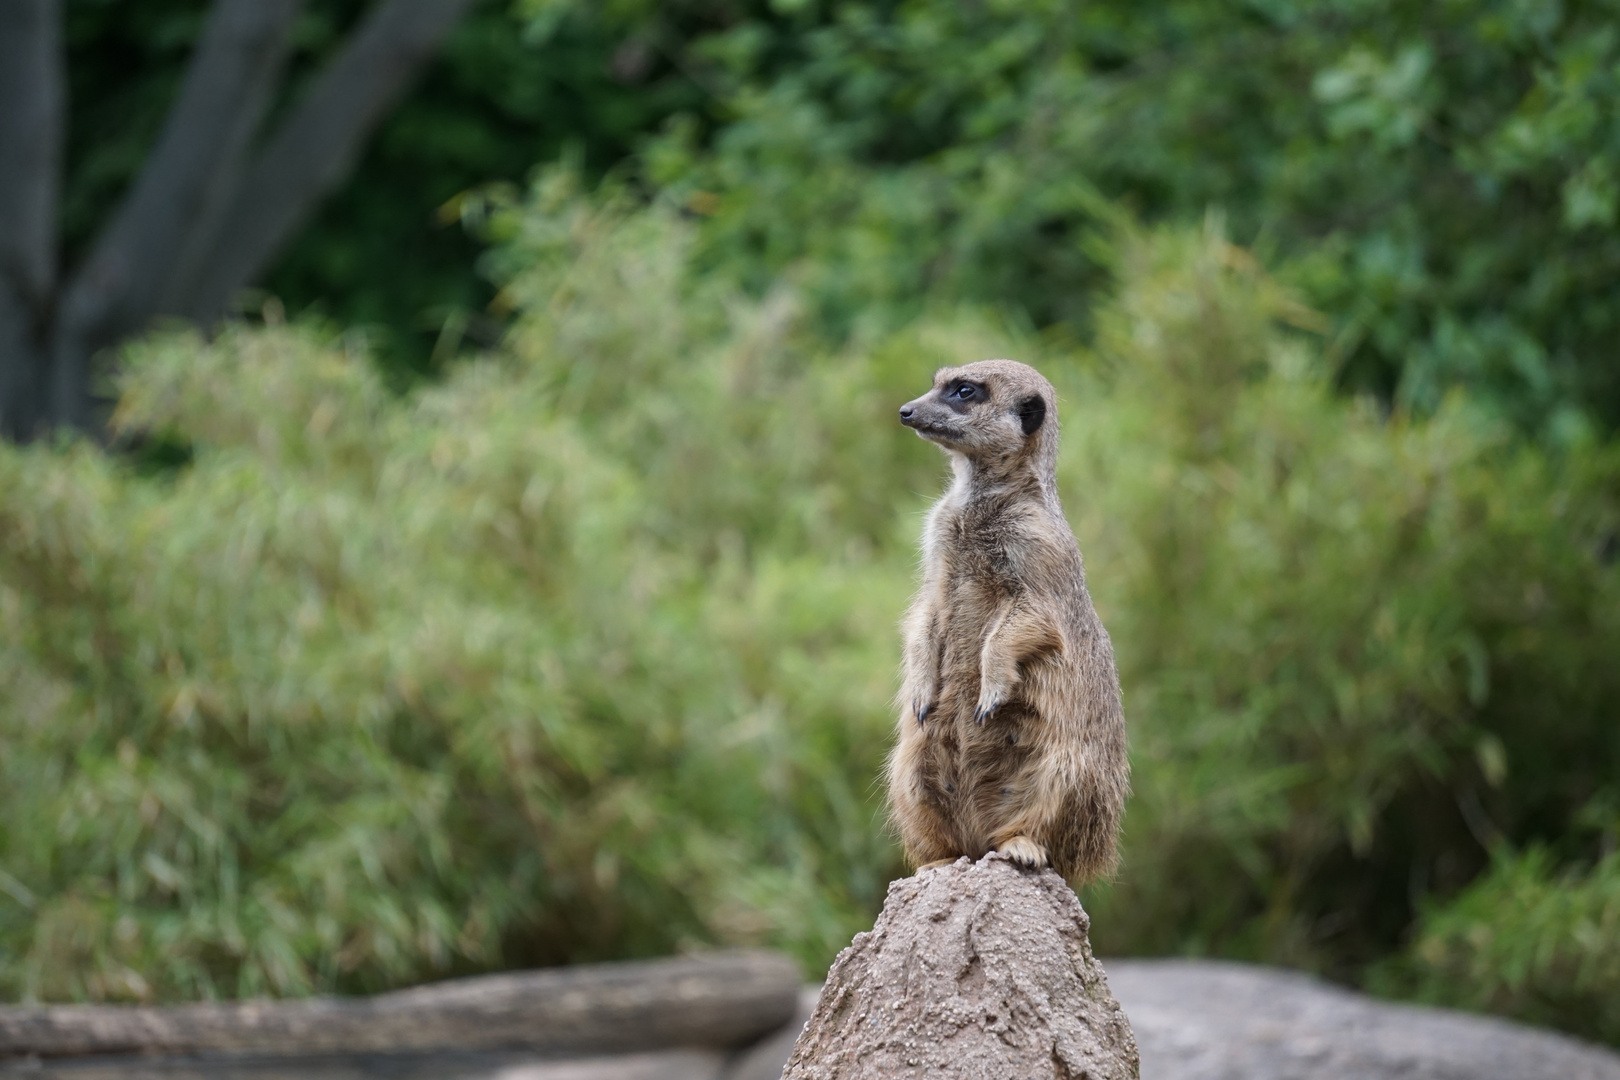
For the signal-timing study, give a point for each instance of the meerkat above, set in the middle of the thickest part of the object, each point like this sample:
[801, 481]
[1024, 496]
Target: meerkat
[1011, 733]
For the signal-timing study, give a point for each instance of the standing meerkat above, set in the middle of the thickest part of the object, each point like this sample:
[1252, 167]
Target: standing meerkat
[1011, 735]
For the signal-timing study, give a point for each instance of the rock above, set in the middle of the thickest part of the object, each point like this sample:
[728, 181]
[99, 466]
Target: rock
[668, 1065]
[715, 1001]
[766, 1059]
[437, 1065]
[1208, 1020]
[977, 970]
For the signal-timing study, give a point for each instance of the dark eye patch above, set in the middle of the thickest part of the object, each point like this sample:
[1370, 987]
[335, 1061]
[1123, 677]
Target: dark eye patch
[960, 393]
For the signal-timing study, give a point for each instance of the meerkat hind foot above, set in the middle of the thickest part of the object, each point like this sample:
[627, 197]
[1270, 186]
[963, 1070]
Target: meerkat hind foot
[1021, 849]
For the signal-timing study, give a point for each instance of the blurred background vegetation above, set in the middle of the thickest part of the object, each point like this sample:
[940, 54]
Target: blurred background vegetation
[530, 595]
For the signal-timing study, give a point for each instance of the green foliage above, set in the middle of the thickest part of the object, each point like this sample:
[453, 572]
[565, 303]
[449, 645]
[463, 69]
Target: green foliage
[588, 651]
[1529, 939]
[1439, 179]
[377, 688]
[1356, 650]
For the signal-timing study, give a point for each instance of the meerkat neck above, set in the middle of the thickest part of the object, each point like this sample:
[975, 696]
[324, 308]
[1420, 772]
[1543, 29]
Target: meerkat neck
[989, 478]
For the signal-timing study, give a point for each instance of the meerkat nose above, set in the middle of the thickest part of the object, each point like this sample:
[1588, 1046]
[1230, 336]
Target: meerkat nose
[906, 411]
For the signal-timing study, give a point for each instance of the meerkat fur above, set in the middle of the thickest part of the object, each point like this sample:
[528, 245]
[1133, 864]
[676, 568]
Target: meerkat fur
[1011, 731]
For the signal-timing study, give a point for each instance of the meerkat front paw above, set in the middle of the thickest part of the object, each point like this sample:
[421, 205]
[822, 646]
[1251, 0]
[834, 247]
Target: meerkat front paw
[1021, 849]
[923, 703]
[991, 698]
[998, 676]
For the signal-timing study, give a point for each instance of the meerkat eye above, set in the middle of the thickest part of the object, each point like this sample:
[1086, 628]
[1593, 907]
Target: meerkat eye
[966, 391]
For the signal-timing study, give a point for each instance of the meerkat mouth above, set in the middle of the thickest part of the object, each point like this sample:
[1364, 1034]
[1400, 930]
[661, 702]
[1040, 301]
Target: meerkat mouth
[927, 430]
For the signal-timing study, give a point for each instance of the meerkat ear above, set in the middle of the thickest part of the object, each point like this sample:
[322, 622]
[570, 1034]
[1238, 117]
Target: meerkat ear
[1032, 413]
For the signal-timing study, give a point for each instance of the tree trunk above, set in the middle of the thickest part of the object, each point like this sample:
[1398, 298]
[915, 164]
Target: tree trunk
[31, 106]
[207, 213]
[975, 970]
[22, 368]
[185, 185]
[314, 150]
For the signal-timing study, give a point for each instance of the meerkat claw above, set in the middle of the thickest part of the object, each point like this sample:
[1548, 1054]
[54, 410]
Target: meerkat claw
[985, 710]
[921, 711]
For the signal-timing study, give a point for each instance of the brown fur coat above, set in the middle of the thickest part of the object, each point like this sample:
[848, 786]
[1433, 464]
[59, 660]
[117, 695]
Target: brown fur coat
[1011, 732]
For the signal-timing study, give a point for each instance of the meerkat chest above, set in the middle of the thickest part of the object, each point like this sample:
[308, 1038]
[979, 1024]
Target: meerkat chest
[984, 552]
[976, 570]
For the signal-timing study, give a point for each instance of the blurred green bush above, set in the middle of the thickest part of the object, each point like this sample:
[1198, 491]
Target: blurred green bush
[1441, 180]
[1361, 652]
[581, 654]
[1530, 939]
[588, 651]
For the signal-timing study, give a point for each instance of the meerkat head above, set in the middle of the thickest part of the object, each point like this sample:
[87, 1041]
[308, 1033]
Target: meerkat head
[996, 410]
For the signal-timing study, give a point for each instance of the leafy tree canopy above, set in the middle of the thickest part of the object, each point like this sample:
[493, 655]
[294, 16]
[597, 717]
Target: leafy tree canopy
[1442, 180]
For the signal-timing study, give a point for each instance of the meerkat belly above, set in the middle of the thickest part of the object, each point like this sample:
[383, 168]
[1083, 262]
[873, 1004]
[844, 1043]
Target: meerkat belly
[979, 778]
[981, 771]
[997, 771]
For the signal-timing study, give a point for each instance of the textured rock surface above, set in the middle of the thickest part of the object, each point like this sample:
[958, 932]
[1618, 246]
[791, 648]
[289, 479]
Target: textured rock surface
[1204, 1020]
[977, 969]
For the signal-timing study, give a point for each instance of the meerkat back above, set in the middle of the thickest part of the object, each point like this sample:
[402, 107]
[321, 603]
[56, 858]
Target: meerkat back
[1011, 735]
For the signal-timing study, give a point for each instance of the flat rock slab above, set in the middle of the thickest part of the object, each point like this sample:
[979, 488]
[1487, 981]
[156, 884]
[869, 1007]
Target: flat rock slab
[977, 970]
[662, 1065]
[1208, 1020]
[719, 1000]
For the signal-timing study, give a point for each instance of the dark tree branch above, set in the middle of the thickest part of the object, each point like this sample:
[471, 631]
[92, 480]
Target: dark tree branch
[30, 144]
[31, 121]
[183, 190]
[199, 222]
[315, 149]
